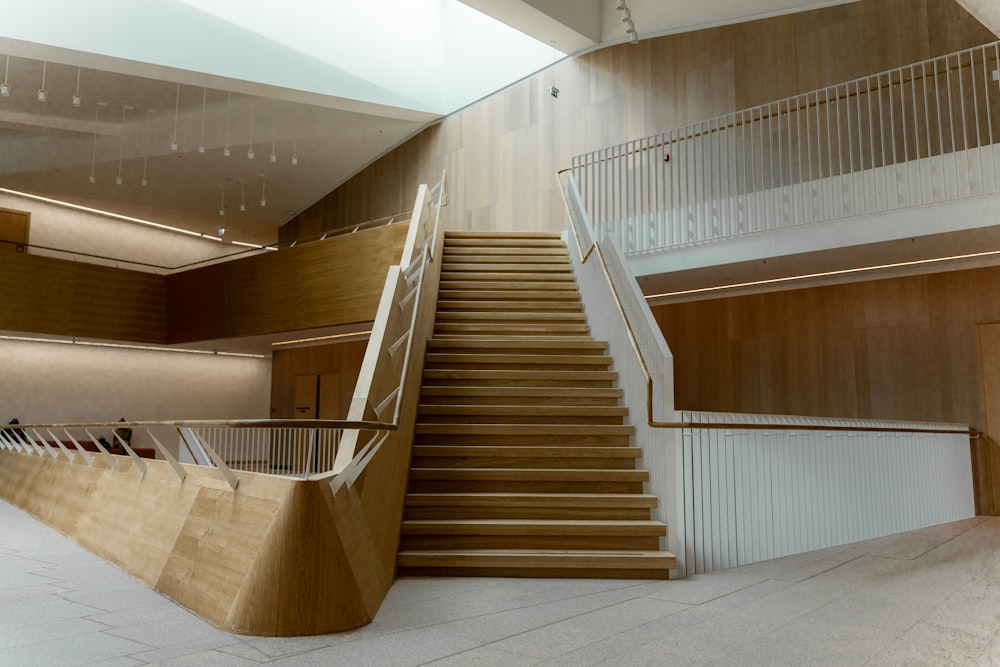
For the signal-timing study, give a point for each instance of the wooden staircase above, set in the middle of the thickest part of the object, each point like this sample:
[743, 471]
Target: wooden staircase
[522, 465]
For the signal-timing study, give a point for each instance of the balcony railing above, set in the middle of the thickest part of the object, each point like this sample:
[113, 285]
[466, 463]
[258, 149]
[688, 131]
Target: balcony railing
[911, 136]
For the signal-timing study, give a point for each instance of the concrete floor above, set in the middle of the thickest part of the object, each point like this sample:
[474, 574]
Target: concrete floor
[928, 597]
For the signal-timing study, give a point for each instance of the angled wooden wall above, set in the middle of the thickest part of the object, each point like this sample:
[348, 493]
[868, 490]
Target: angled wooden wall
[503, 153]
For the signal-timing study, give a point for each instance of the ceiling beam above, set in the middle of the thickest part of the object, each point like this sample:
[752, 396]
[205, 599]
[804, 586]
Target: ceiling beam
[567, 26]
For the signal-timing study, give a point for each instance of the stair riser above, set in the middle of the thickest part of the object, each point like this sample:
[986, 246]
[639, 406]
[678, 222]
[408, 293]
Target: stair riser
[521, 486]
[587, 542]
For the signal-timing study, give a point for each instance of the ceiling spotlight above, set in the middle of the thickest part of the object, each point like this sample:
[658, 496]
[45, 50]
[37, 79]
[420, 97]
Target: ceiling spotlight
[626, 16]
[77, 100]
[634, 39]
[43, 95]
[295, 160]
[621, 5]
[222, 230]
[201, 144]
[274, 158]
[225, 150]
[250, 154]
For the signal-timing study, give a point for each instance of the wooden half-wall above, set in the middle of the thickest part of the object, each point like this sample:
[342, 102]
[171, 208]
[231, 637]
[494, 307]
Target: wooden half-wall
[275, 557]
[337, 281]
[504, 151]
[905, 348]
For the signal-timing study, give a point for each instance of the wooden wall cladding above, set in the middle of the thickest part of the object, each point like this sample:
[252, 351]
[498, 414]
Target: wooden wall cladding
[340, 359]
[898, 348]
[59, 297]
[273, 558]
[326, 283]
[502, 153]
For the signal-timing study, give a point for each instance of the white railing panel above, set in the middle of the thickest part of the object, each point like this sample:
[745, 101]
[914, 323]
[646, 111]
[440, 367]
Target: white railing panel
[756, 494]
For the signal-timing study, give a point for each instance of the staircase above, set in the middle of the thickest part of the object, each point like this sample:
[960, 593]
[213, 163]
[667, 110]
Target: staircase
[522, 465]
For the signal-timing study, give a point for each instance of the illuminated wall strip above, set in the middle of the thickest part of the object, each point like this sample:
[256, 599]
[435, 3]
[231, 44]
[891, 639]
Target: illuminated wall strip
[117, 216]
[28, 339]
[256, 246]
[825, 274]
[331, 337]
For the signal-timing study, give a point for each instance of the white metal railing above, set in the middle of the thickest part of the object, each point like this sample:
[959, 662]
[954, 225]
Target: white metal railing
[386, 371]
[752, 493]
[914, 135]
[720, 502]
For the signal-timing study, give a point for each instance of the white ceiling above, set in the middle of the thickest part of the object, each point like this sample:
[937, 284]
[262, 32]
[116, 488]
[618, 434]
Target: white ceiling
[290, 68]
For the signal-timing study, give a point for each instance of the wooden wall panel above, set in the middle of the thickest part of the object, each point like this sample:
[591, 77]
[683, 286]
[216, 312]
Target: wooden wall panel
[58, 297]
[343, 359]
[898, 348]
[320, 284]
[503, 153]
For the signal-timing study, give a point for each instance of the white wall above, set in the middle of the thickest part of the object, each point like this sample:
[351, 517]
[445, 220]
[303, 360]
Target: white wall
[62, 383]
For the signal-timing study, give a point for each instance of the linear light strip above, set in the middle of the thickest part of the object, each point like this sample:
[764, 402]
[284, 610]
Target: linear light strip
[29, 339]
[825, 274]
[330, 337]
[108, 214]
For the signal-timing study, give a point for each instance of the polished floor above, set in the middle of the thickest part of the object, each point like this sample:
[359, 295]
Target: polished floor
[929, 597]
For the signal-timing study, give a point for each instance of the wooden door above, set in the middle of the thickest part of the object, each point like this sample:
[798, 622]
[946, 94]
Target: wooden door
[305, 397]
[13, 230]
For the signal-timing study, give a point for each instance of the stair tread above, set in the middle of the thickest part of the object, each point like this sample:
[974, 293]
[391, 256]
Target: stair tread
[515, 295]
[583, 359]
[526, 429]
[528, 473]
[553, 527]
[507, 306]
[501, 235]
[529, 451]
[534, 410]
[533, 499]
[541, 342]
[526, 317]
[455, 390]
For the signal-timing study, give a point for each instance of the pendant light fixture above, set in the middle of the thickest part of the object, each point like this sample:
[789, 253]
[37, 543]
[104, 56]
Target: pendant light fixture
[201, 144]
[263, 192]
[225, 149]
[177, 108]
[43, 95]
[145, 158]
[243, 194]
[121, 143]
[295, 151]
[77, 100]
[222, 205]
[250, 150]
[93, 157]
[4, 86]
[274, 139]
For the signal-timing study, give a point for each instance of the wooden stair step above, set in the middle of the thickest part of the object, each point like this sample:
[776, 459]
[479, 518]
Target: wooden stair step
[466, 395]
[524, 429]
[526, 317]
[502, 235]
[590, 360]
[507, 306]
[540, 343]
[545, 456]
[558, 268]
[506, 283]
[558, 414]
[524, 274]
[528, 474]
[495, 328]
[541, 377]
[523, 251]
[529, 506]
[459, 261]
[635, 564]
[520, 296]
[532, 527]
